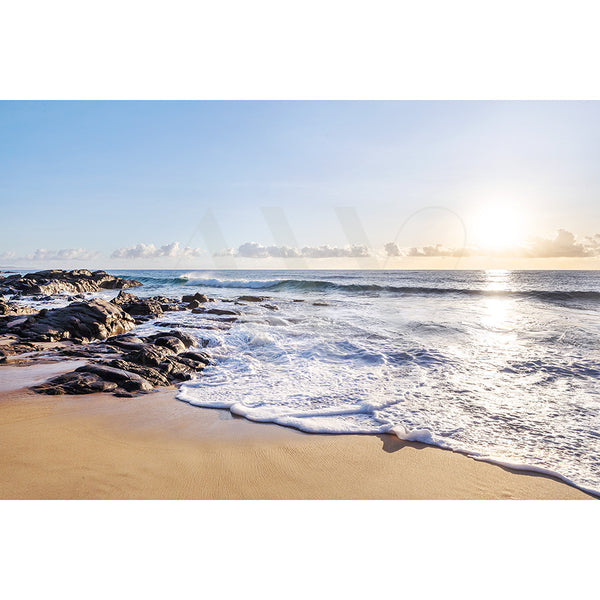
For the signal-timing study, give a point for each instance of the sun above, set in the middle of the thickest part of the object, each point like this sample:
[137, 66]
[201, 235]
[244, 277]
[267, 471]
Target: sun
[497, 227]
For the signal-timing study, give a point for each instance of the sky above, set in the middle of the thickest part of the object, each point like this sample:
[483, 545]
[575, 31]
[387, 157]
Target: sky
[299, 184]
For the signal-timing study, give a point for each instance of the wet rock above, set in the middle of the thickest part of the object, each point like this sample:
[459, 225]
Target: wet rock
[270, 306]
[55, 280]
[81, 321]
[200, 357]
[197, 298]
[252, 298]
[178, 369]
[130, 382]
[171, 342]
[13, 308]
[75, 383]
[154, 376]
[138, 306]
[148, 356]
[187, 340]
[320, 304]
[13, 349]
[220, 311]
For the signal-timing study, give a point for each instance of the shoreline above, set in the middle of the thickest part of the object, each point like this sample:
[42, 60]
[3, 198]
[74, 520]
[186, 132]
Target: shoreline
[153, 446]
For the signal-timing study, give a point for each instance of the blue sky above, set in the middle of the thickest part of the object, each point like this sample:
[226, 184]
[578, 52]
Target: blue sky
[103, 177]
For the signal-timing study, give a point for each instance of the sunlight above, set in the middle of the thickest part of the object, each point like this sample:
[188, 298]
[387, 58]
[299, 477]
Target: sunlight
[498, 227]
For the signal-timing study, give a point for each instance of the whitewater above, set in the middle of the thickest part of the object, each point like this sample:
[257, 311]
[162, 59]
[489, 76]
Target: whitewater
[501, 365]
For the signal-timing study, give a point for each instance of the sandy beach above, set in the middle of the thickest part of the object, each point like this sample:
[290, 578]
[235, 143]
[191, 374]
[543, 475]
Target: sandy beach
[154, 447]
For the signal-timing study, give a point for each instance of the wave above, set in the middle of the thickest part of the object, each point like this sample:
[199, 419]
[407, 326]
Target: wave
[312, 285]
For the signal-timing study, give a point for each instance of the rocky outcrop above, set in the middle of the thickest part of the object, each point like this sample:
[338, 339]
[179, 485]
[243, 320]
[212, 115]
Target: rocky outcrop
[79, 321]
[139, 308]
[56, 280]
[196, 299]
[98, 331]
[13, 308]
[128, 365]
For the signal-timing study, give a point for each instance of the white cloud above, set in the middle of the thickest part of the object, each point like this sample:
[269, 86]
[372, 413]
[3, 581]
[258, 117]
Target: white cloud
[563, 245]
[64, 254]
[392, 249]
[256, 250]
[172, 250]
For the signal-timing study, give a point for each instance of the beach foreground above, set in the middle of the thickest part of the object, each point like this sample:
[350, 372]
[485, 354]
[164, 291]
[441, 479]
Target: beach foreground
[154, 447]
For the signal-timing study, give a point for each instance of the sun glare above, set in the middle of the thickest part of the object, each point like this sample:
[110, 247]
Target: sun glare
[498, 227]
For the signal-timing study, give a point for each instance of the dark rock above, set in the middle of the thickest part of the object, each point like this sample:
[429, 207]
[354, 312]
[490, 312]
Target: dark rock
[188, 340]
[138, 306]
[171, 342]
[81, 321]
[200, 357]
[220, 311]
[252, 298]
[270, 306]
[75, 383]
[131, 382]
[13, 308]
[53, 281]
[320, 304]
[197, 297]
[178, 369]
[154, 376]
[148, 356]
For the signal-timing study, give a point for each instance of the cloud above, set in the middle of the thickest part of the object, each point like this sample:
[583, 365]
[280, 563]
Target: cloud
[64, 254]
[563, 245]
[392, 249]
[172, 250]
[256, 250]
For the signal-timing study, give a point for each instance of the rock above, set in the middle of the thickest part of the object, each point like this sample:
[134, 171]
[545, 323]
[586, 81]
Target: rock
[200, 357]
[138, 306]
[81, 321]
[130, 382]
[270, 306]
[53, 281]
[154, 376]
[13, 349]
[171, 342]
[197, 297]
[13, 308]
[220, 311]
[75, 383]
[188, 340]
[320, 304]
[252, 298]
[148, 356]
[178, 369]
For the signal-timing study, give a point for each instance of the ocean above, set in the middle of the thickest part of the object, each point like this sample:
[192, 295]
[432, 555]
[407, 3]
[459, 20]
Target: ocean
[501, 365]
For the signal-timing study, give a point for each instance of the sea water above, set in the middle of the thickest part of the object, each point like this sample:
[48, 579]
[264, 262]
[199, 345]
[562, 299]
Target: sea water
[502, 365]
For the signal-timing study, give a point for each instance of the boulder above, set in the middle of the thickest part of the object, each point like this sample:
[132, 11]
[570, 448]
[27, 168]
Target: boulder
[56, 280]
[81, 321]
[131, 382]
[197, 297]
[221, 311]
[138, 306]
[75, 383]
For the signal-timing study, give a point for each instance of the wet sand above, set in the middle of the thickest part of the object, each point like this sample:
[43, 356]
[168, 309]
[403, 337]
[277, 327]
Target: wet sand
[155, 447]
